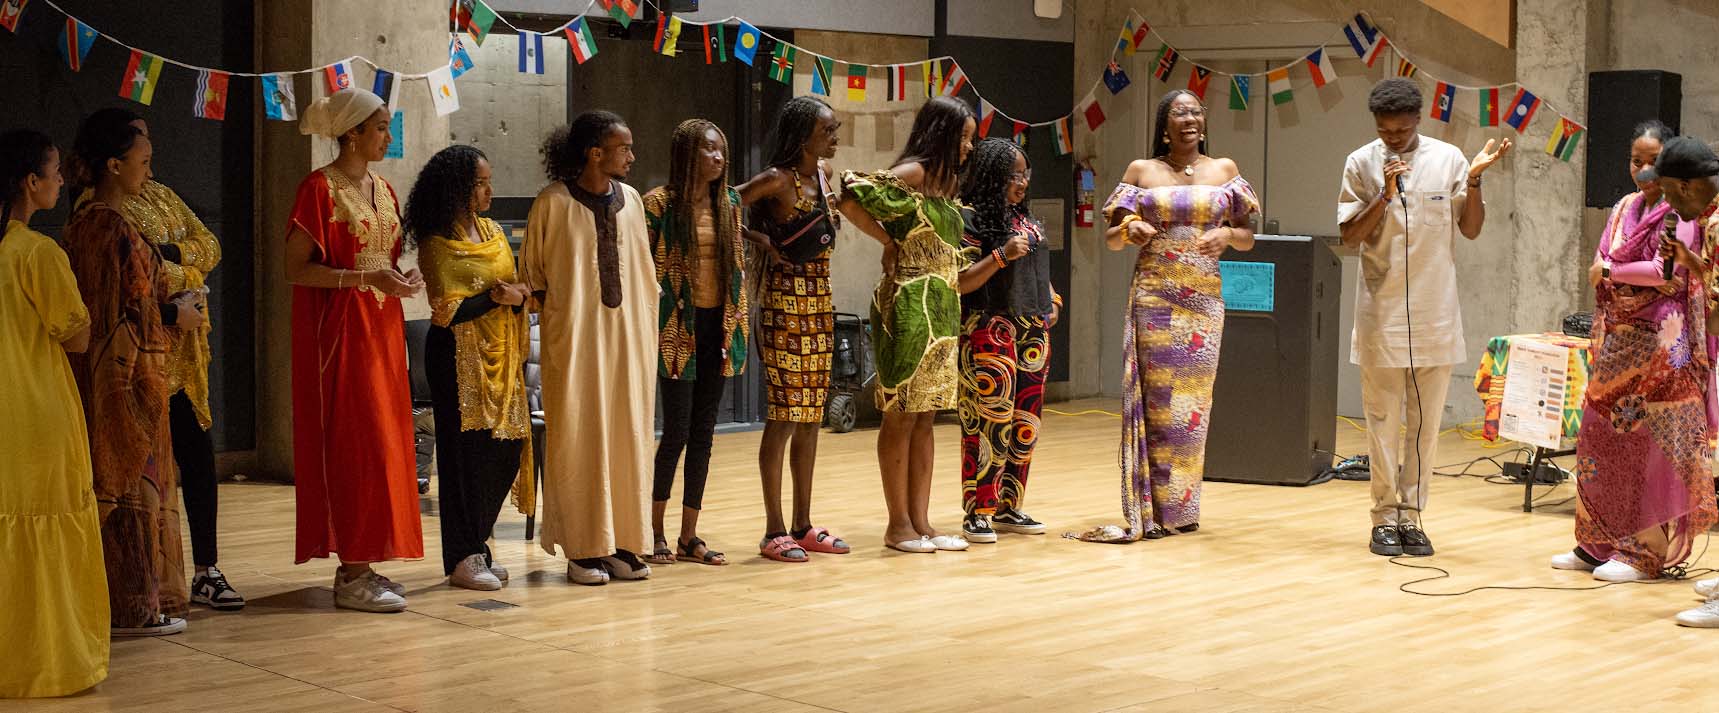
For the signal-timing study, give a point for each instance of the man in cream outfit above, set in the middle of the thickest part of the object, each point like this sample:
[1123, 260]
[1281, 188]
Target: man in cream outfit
[1408, 320]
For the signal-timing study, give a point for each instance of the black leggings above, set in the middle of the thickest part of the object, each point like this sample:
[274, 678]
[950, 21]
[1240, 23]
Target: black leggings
[194, 451]
[689, 413]
[474, 470]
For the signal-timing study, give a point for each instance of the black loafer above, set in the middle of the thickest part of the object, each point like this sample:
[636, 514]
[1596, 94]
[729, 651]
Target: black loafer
[1386, 541]
[1415, 542]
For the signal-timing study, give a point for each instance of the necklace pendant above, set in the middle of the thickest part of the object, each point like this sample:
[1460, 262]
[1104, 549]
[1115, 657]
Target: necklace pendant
[1189, 171]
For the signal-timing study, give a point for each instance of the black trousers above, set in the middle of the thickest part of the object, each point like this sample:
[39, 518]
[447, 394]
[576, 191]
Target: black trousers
[474, 469]
[689, 413]
[194, 451]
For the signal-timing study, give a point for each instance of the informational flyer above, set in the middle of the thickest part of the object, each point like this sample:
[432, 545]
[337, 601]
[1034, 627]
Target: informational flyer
[1249, 286]
[1532, 411]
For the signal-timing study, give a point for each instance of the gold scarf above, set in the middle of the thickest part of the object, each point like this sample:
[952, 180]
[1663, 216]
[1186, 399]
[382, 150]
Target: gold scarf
[490, 351]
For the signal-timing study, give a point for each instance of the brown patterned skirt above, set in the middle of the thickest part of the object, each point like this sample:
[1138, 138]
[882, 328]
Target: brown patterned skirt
[797, 330]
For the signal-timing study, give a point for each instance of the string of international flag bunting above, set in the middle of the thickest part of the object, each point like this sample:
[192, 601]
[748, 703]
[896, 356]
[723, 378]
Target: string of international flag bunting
[941, 76]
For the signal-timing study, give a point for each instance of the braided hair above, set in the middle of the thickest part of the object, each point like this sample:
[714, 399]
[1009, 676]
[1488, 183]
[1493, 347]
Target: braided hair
[23, 153]
[442, 194]
[935, 142]
[794, 127]
[567, 149]
[688, 138]
[985, 182]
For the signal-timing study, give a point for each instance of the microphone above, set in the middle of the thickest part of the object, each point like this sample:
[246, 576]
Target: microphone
[1670, 227]
[1393, 157]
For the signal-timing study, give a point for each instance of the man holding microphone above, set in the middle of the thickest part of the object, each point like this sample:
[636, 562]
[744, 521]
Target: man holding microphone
[1403, 199]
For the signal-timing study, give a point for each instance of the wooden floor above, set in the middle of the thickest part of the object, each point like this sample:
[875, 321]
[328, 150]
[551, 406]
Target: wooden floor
[1274, 605]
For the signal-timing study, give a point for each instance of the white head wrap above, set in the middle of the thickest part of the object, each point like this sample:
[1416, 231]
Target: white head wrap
[334, 115]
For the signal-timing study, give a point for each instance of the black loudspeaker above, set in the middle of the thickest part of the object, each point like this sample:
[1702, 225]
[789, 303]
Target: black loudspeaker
[1274, 406]
[1617, 101]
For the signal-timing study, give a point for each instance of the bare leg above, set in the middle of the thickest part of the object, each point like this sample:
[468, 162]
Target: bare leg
[658, 509]
[921, 462]
[892, 456]
[804, 458]
[770, 449]
[688, 523]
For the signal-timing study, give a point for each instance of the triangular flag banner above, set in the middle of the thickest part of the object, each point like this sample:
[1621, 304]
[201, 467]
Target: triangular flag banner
[1199, 81]
[10, 11]
[1239, 91]
[954, 81]
[459, 60]
[442, 91]
[211, 99]
[1405, 68]
[338, 76]
[1319, 65]
[278, 101]
[1167, 57]
[1020, 133]
[1094, 114]
[387, 86]
[1522, 109]
[1126, 42]
[897, 74]
[1064, 137]
[987, 114]
[1564, 139]
[822, 69]
[746, 41]
[715, 43]
[668, 34]
[622, 10]
[856, 82]
[1444, 98]
[479, 20]
[1362, 36]
[1489, 106]
[530, 52]
[1115, 79]
[75, 41]
[1277, 84]
[579, 40]
[141, 74]
[782, 63]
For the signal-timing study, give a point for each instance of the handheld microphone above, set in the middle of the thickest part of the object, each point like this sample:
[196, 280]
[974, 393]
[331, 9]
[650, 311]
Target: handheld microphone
[1393, 157]
[1670, 227]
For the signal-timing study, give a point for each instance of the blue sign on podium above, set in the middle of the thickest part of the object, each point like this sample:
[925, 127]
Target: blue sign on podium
[1249, 286]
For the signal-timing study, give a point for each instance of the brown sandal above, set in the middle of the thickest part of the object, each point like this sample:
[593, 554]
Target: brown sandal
[689, 553]
[660, 552]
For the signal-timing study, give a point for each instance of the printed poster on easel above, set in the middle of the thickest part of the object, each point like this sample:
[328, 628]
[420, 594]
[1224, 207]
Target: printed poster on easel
[1532, 411]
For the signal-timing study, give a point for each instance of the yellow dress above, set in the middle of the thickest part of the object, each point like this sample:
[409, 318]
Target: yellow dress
[164, 219]
[55, 592]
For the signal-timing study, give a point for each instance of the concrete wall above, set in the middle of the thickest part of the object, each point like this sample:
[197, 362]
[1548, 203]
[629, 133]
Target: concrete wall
[1676, 36]
[894, 17]
[1008, 19]
[507, 113]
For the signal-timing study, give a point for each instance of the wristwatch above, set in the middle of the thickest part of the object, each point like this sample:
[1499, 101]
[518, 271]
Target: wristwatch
[1605, 272]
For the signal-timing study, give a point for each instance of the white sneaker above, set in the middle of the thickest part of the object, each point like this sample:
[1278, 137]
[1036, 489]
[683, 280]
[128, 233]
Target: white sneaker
[949, 542]
[498, 571]
[1706, 587]
[366, 593]
[1571, 561]
[166, 625]
[472, 573]
[1615, 571]
[1705, 616]
[589, 576]
[389, 584]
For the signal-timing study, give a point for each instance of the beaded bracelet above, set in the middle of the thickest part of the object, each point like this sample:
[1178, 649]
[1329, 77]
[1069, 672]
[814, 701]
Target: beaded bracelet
[997, 255]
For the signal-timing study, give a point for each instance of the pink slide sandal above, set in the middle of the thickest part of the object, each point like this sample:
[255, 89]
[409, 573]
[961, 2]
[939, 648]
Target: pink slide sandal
[819, 539]
[783, 549]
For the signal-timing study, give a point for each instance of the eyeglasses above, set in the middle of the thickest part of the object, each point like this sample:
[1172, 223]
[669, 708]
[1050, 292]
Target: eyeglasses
[1186, 113]
[1025, 177]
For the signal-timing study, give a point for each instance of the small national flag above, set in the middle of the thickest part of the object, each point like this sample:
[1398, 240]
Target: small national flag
[782, 63]
[1020, 133]
[396, 136]
[1064, 137]
[1094, 114]
[442, 91]
[1126, 42]
[1378, 49]
[1140, 34]
[278, 101]
[211, 100]
[856, 82]
[1115, 79]
[1564, 139]
[387, 86]
[1319, 65]
[954, 81]
[1405, 68]
[579, 40]
[1239, 91]
[10, 10]
[337, 76]
[715, 43]
[1489, 106]
[459, 60]
[1522, 109]
[987, 113]
[479, 21]
[668, 33]
[1167, 58]
[933, 71]
[822, 69]
[530, 52]
[746, 41]
[1444, 97]
[141, 73]
[1277, 84]
[1362, 36]
[622, 10]
[75, 41]
[897, 74]
[1199, 80]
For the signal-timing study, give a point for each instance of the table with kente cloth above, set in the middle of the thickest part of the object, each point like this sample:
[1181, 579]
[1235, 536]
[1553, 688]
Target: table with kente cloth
[1495, 369]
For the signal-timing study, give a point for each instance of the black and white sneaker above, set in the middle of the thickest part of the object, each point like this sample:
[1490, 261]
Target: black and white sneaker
[1017, 522]
[977, 528]
[211, 589]
[162, 626]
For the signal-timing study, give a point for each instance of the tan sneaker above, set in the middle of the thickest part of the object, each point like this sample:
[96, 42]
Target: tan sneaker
[366, 593]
